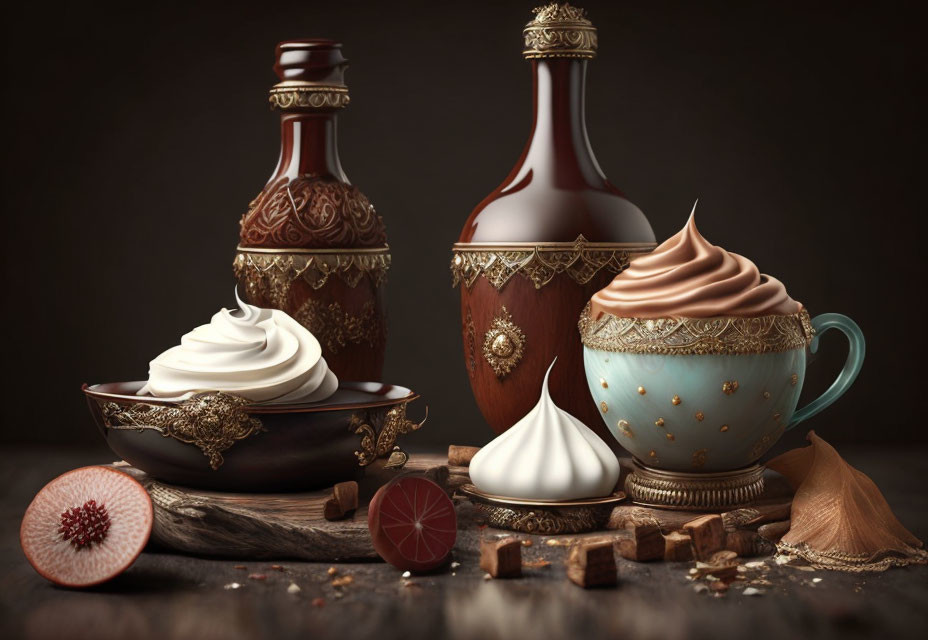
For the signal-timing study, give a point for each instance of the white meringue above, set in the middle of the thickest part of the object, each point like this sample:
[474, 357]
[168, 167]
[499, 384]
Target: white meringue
[263, 355]
[547, 455]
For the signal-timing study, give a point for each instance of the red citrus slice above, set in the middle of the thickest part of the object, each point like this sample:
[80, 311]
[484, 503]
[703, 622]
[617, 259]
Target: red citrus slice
[413, 525]
[86, 526]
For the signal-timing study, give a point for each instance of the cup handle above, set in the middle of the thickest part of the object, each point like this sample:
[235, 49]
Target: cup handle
[855, 360]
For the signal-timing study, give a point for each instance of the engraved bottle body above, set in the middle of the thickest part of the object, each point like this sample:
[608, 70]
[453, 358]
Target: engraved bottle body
[536, 248]
[311, 243]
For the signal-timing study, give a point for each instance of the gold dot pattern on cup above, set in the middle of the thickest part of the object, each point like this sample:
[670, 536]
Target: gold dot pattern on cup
[675, 400]
[760, 446]
[659, 422]
[670, 437]
[723, 428]
[604, 406]
[729, 387]
[766, 395]
[699, 458]
[626, 429]
[700, 416]
[776, 416]
[603, 382]
[641, 391]
[794, 379]
[652, 453]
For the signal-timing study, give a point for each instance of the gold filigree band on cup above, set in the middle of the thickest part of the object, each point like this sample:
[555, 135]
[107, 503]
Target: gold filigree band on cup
[559, 31]
[540, 262]
[696, 336]
[308, 96]
[313, 266]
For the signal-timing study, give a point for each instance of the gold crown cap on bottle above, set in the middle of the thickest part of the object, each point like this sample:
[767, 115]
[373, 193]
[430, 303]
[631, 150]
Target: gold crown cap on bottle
[559, 30]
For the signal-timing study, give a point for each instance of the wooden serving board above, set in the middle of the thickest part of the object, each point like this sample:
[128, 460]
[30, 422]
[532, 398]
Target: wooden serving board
[291, 525]
[264, 526]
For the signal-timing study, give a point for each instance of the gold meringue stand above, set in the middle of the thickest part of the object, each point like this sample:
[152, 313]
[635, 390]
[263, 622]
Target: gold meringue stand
[543, 517]
[694, 491]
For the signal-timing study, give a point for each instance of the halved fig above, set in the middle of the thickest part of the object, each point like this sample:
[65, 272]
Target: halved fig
[86, 526]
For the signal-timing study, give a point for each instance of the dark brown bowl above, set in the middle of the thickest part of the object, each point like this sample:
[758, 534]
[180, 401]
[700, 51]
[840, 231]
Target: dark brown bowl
[220, 441]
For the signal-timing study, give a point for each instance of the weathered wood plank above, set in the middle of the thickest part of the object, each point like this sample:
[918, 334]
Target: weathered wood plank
[263, 526]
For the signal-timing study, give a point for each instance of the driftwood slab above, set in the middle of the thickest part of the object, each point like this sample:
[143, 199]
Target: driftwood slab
[292, 525]
[265, 526]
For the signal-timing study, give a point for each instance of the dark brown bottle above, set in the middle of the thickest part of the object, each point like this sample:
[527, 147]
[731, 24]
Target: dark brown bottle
[312, 244]
[553, 233]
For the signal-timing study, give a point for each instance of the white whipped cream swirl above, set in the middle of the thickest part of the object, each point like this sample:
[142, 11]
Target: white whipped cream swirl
[547, 455]
[263, 355]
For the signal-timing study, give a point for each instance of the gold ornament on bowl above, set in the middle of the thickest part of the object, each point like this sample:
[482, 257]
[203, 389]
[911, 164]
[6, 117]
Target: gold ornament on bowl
[247, 446]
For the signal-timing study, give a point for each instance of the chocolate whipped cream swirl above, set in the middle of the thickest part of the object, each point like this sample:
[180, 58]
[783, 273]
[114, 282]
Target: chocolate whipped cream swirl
[686, 276]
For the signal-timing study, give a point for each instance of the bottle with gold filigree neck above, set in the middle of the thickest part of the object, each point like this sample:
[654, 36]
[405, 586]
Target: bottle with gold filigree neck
[312, 244]
[553, 233]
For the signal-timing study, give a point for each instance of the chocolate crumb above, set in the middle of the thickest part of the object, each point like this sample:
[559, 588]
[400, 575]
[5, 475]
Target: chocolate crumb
[343, 581]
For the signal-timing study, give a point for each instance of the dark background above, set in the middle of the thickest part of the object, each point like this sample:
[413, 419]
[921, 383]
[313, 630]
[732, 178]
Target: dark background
[137, 134]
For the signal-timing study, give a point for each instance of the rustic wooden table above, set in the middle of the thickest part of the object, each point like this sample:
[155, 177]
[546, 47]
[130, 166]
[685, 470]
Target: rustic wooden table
[171, 596]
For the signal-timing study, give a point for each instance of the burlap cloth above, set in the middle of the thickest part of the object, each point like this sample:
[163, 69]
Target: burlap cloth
[839, 518]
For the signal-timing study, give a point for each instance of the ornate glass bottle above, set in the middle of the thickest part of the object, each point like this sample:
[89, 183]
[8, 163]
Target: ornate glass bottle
[534, 251]
[311, 243]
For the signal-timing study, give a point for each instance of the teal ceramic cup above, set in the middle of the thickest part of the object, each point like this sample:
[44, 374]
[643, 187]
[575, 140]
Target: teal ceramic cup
[707, 394]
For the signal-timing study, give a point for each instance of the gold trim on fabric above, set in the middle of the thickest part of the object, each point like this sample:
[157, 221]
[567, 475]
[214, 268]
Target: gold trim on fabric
[854, 563]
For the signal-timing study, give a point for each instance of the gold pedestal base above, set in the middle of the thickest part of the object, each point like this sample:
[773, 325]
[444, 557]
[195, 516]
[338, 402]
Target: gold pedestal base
[543, 517]
[694, 491]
